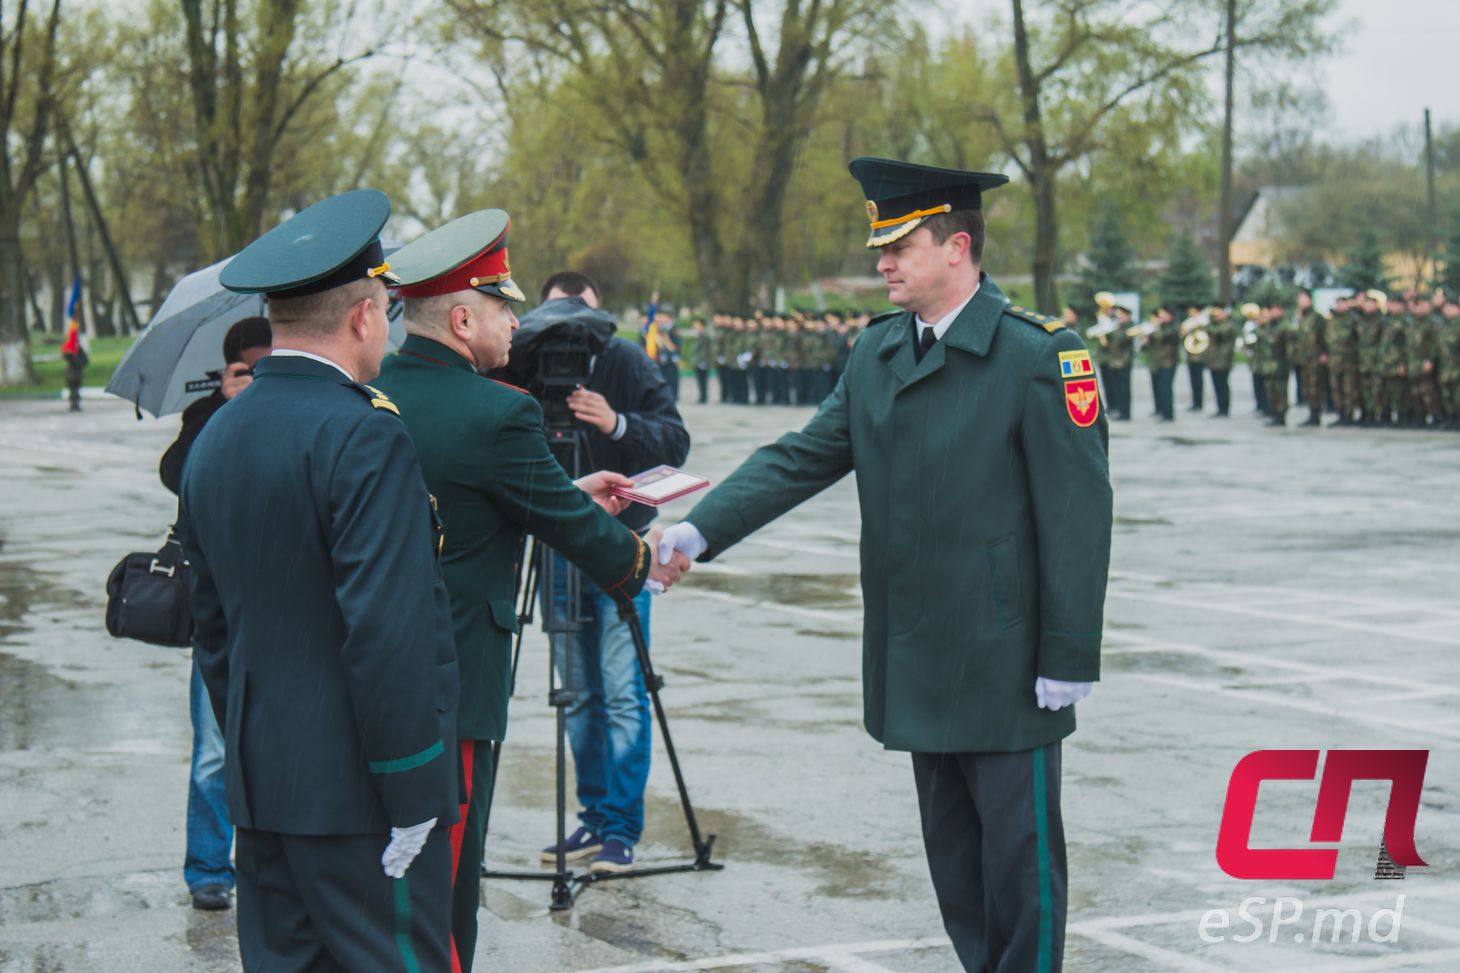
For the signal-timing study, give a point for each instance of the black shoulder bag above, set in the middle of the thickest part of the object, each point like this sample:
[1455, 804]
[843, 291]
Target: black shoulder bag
[147, 596]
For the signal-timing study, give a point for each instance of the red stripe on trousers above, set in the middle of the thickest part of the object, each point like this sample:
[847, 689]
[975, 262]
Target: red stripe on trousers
[458, 831]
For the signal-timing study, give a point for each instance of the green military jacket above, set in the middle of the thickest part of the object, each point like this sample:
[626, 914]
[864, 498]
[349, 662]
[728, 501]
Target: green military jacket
[985, 497]
[1448, 341]
[1421, 344]
[1223, 348]
[1369, 329]
[1120, 348]
[698, 348]
[1310, 340]
[1269, 354]
[1343, 340]
[486, 461]
[1162, 345]
[1393, 338]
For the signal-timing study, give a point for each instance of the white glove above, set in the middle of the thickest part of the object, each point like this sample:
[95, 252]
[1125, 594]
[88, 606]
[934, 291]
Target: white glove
[1052, 694]
[654, 587]
[405, 845]
[683, 537]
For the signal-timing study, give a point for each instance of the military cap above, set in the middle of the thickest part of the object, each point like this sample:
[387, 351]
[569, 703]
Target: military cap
[332, 243]
[469, 253]
[900, 195]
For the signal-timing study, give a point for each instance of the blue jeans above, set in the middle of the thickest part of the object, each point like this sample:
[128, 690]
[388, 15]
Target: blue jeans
[210, 833]
[609, 726]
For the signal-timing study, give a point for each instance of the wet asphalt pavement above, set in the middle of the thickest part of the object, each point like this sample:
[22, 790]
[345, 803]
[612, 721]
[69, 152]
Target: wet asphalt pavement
[1270, 589]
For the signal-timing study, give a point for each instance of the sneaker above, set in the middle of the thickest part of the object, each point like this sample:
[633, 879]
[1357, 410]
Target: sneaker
[211, 898]
[579, 844]
[616, 856]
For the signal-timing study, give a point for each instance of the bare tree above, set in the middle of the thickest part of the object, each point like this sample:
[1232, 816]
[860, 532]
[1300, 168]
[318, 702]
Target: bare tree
[27, 76]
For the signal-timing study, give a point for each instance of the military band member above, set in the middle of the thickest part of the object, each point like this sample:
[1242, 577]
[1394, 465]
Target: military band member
[1310, 355]
[971, 425]
[322, 628]
[487, 462]
[1220, 353]
[1120, 356]
[1161, 355]
[1196, 363]
[1253, 316]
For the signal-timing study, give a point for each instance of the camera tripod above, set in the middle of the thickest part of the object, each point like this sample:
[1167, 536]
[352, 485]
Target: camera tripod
[561, 622]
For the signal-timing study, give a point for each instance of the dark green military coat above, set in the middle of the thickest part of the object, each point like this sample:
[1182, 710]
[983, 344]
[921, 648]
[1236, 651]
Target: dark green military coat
[322, 628]
[487, 462]
[986, 515]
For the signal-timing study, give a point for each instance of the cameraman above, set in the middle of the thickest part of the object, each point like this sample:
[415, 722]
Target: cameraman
[633, 425]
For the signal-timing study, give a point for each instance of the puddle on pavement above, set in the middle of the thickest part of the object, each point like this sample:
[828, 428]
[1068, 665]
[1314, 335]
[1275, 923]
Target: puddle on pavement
[1187, 441]
[1142, 522]
[803, 590]
[1170, 664]
[35, 704]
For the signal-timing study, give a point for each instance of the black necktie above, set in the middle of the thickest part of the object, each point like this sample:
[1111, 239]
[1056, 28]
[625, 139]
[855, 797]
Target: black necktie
[925, 341]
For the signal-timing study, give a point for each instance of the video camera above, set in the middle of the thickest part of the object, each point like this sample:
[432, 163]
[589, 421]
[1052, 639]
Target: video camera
[553, 352]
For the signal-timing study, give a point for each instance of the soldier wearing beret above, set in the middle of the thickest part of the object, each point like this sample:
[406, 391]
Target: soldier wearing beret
[974, 430]
[487, 462]
[322, 628]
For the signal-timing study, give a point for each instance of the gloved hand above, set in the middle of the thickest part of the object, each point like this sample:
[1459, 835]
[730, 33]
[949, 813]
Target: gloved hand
[405, 845]
[683, 537]
[1052, 694]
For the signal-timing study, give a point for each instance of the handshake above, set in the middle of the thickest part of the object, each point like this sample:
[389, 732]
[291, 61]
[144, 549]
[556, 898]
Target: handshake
[672, 549]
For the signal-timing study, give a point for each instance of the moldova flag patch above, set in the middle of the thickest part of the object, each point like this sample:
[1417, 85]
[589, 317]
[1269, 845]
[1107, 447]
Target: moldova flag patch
[1075, 364]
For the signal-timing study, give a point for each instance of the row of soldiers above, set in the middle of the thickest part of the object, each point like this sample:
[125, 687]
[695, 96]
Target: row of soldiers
[772, 359]
[1374, 360]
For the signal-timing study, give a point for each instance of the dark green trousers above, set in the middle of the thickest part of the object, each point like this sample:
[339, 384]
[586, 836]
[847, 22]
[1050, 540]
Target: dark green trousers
[996, 850]
[468, 841]
[321, 903]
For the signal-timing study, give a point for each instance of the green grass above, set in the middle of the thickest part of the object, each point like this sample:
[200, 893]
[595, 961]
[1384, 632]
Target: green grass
[106, 354]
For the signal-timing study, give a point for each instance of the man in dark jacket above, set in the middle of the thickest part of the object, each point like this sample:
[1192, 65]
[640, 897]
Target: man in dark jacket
[208, 863]
[632, 425]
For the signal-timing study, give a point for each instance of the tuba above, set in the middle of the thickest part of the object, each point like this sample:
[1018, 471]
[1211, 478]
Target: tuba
[1194, 337]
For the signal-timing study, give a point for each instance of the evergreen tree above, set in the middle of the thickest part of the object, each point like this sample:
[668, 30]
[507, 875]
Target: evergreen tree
[1188, 281]
[1450, 276]
[1363, 264]
[1110, 260]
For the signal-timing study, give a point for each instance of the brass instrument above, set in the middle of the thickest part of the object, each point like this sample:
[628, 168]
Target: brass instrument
[1143, 330]
[1194, 337]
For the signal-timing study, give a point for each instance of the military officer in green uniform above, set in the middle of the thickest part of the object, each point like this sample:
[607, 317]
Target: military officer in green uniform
[700, 354]
[1162, 351]
[975, 433]
[1220, 354]
[322, 628]
[486, 460]
[1310, 355]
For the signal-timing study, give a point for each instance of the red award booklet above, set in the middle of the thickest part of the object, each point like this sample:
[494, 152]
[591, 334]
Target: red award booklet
[661, 485]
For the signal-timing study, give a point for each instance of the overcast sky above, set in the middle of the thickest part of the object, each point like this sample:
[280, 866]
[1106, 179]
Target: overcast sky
[1397, 58]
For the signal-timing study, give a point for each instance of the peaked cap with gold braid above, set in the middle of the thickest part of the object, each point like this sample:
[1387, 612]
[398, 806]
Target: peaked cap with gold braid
[900, 195]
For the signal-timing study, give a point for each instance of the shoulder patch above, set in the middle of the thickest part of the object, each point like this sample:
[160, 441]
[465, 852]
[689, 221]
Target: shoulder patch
[509, 385]
[1049, 324]
[379, 399]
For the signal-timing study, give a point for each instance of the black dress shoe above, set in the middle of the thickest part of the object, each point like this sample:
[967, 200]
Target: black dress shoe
[1311, 421]
[211, 898]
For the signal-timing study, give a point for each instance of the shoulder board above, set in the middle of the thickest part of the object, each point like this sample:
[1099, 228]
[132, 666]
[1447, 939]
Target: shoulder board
[378, 399]
[1044, 321]
[509, 385]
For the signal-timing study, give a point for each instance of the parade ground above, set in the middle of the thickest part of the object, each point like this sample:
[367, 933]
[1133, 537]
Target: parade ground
[1270, 589]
